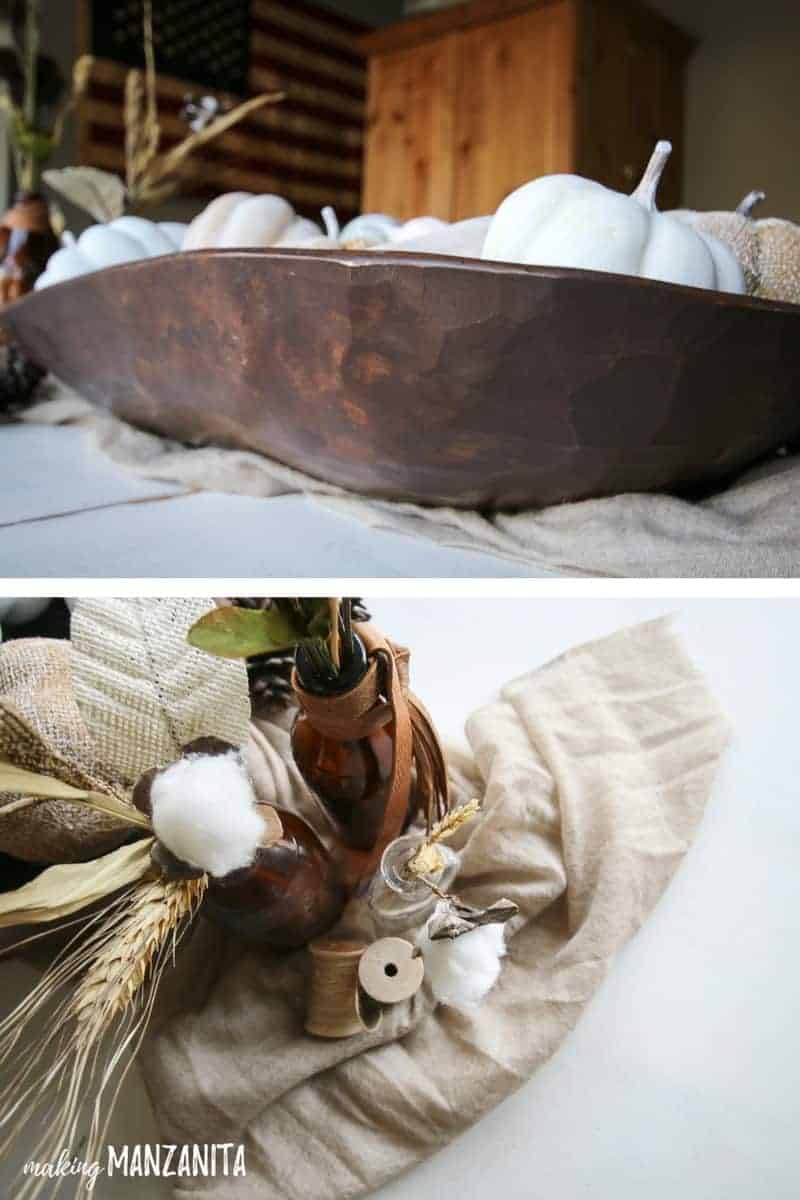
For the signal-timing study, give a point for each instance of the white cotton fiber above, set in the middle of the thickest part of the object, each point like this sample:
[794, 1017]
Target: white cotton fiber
[462, 970]
[204, 812]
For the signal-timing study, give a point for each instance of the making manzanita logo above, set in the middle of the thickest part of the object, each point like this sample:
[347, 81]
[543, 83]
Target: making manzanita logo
[205, 1160]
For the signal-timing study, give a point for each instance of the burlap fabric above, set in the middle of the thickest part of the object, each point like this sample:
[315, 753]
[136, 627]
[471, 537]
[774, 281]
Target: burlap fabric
[594, 771]
[42, 730]
[123, 696]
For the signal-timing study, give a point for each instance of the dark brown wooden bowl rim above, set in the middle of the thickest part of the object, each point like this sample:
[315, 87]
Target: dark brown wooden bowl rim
[401, 258]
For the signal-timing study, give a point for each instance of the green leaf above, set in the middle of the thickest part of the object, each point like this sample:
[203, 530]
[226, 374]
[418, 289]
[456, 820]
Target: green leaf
[241, 632]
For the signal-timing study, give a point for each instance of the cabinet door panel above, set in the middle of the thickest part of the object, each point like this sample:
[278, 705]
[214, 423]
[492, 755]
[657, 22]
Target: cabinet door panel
[515, 115]
[409, 161]
[631, 82]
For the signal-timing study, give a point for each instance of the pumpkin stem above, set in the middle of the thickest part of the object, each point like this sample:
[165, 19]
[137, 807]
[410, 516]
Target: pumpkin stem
[331, 221]
[648, 185]
[750, 201]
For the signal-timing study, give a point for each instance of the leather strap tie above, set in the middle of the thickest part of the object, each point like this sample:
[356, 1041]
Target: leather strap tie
[380, 696]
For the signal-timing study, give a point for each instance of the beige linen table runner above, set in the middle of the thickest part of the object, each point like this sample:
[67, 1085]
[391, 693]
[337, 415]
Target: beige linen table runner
[749, 529]
[594, 771]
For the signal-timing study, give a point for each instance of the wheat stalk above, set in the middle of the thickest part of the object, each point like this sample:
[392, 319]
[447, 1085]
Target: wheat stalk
[150, 177]
[112, 975]
[427, 860]
[120, 969]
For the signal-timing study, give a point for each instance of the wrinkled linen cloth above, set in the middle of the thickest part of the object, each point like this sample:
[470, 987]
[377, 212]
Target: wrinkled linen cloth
[594, 771]
[749, 529]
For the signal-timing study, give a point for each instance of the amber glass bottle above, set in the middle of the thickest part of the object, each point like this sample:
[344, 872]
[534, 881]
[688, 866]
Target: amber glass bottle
[292, 893]
[351, 778]
[26, 242]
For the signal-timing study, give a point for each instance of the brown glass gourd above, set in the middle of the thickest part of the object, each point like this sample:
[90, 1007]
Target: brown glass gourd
[26, 242]
[292, 892]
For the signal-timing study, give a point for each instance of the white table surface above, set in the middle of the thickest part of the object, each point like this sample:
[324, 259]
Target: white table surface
[66, 511]
[682, 1076]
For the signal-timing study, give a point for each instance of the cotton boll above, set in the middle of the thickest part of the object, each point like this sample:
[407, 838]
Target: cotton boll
[203, 810]
[462, 970]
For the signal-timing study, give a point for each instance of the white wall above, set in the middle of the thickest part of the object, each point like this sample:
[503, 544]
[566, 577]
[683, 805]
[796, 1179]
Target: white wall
[743, 102]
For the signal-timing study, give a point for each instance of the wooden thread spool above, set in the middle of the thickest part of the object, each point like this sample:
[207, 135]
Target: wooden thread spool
[336, 1007]
[391, 970]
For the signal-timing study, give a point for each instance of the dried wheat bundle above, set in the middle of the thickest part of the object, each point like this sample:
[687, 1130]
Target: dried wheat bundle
[96, 1001]
[150, 177]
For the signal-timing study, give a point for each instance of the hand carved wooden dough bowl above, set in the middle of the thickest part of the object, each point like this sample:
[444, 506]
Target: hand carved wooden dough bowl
[430, 378]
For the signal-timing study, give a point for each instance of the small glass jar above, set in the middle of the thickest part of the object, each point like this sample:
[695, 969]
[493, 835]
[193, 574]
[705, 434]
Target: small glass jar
[400, 900]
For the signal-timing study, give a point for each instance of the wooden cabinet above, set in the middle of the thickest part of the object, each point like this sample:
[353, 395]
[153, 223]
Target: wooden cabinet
[466, 104]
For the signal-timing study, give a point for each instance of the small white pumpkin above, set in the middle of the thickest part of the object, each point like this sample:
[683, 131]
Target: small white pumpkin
[241, 219]
[464, 239]
[568, 221]
[370, 229]
[126, 239]
[419, 227]
[373, 230]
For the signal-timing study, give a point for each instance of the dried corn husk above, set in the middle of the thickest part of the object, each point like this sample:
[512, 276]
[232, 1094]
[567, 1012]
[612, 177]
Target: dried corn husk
[61, 891]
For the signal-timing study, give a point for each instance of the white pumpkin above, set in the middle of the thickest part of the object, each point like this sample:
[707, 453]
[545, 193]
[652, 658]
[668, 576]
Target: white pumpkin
[373, 230]
[419, 227]
[370, 229]
[568, 221]
[126, 239]
[464, 239]
[240, 219]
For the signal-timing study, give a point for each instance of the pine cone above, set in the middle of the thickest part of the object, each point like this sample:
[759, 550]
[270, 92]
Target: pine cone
[19, 378]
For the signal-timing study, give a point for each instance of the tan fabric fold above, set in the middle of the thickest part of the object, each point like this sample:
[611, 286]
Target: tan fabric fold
[594, 771]
[750, 528]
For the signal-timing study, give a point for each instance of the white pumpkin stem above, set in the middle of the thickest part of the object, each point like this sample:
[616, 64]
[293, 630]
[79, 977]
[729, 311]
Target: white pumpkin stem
[750, 201]
[331, 222]
[648, 185]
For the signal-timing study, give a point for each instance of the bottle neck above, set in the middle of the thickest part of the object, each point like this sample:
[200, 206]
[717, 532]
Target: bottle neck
[324, 679]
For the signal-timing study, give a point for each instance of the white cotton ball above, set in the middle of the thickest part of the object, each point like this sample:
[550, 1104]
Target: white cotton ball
[462, 970]
[204, 812]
